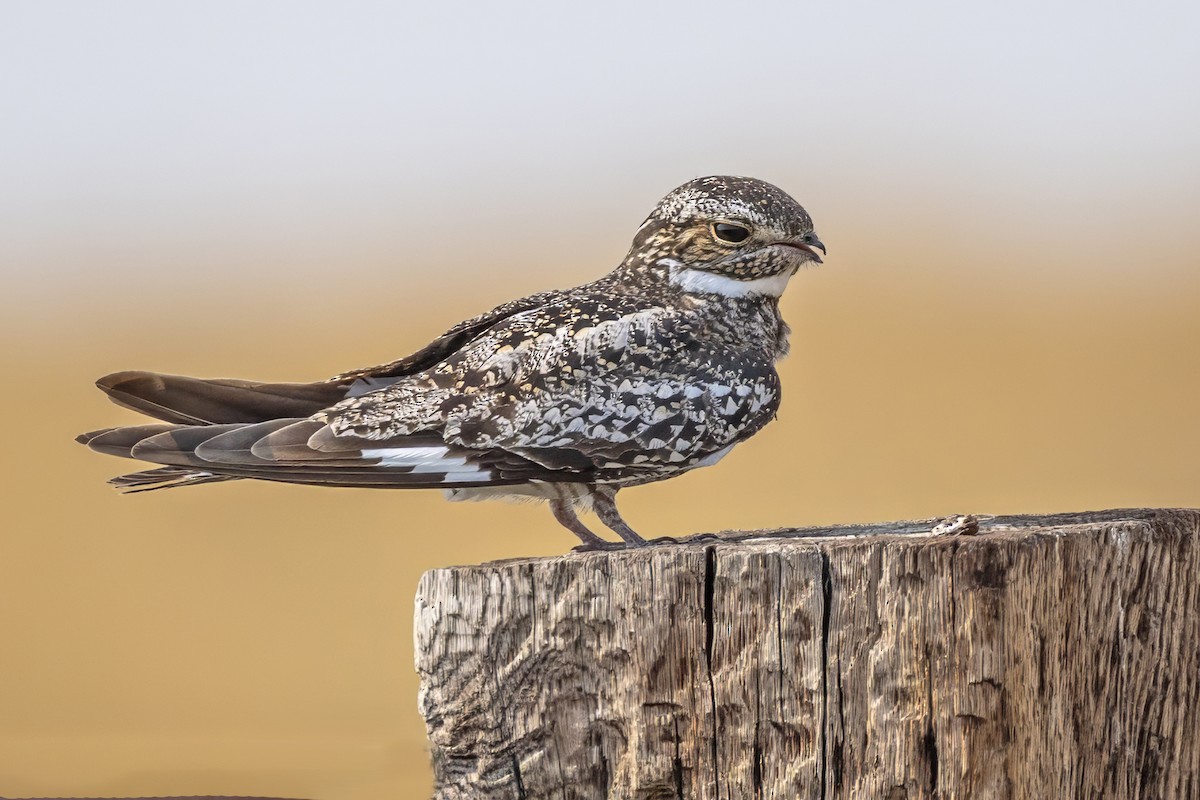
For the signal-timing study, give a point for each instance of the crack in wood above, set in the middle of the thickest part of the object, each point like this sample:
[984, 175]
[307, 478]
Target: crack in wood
[677, 765]
[606, 773]
[930, 743]
[779, 630]
[516, 771]
[826, 606]
[837, 762]
[710, 585]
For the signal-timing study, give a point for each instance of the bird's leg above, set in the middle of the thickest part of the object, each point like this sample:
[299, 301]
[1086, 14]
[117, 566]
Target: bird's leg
[564, 512]
[604, 501]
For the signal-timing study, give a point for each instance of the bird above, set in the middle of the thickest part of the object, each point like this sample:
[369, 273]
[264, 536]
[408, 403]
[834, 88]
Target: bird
[658, 368]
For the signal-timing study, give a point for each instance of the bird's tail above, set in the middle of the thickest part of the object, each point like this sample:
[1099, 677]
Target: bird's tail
[217, 430]
[200, 401]
[283, 450]
[197, 409]
[121, 442]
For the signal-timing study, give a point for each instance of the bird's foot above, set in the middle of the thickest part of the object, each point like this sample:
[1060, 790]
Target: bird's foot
[604, 545]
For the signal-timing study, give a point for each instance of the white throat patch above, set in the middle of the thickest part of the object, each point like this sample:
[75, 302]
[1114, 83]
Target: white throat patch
[697, 280]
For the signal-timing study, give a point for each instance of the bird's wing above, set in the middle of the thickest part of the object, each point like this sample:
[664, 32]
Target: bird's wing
[184, 400]
[606, 386]
[449, 342]
[210, 401]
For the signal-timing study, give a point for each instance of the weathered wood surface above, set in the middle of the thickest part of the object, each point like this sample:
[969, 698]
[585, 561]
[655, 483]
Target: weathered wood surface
[1046, 657]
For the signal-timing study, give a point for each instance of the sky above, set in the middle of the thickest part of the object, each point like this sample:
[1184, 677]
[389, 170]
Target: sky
[306, 137]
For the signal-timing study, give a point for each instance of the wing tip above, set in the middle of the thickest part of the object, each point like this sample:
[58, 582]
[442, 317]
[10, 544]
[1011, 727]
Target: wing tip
[114, 380]
[86, 438]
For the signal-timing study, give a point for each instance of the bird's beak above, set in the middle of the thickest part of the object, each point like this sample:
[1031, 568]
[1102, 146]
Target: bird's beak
[808, 243]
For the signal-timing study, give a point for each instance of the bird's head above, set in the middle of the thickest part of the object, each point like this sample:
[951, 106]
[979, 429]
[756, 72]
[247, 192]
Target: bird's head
[728, 235]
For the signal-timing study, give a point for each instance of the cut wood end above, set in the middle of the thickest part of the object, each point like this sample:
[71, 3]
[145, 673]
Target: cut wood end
[933, 531]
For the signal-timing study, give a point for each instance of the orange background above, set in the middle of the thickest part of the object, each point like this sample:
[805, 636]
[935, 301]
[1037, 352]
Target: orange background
[1006, 322]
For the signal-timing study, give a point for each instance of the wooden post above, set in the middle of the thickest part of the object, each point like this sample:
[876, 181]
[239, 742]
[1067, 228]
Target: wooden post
[1044, 657]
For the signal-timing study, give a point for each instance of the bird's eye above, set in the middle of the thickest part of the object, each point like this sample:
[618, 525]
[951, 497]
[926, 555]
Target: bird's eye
[729, 232]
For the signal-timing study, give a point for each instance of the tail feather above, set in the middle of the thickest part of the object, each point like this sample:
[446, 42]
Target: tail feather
[177, 445]
[165, 478]
[197, 401]
[120, 441]
[274, 451]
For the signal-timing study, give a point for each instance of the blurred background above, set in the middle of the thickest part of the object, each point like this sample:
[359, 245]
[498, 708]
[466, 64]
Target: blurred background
[1006, 321]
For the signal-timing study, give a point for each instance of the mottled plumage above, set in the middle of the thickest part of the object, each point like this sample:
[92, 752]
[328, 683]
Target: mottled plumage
[657, 368]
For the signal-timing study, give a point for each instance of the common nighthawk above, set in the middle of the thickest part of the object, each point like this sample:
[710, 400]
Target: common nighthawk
[659, 367]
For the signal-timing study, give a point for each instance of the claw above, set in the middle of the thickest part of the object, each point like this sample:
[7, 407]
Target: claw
[599, 547]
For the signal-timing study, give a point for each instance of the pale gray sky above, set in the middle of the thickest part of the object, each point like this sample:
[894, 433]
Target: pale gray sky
[371, 131]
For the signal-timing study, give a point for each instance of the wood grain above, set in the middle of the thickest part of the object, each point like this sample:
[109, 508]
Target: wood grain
[1045, 657]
